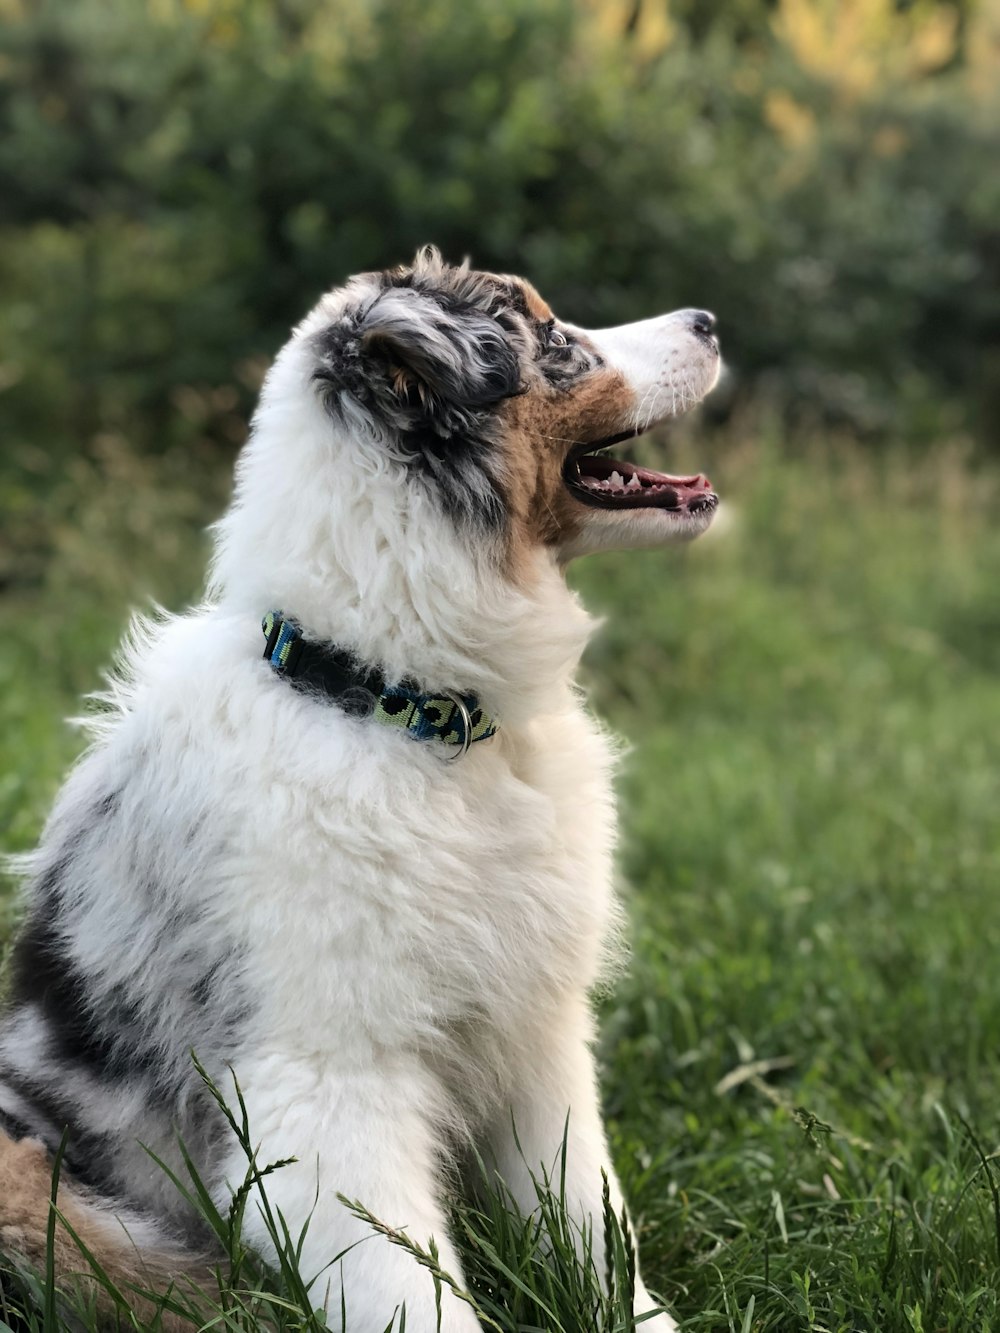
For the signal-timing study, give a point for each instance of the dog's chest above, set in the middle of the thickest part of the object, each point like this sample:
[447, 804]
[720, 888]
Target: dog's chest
[465, 902]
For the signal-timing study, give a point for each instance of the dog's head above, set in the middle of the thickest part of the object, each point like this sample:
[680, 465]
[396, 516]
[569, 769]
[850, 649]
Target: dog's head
[501, 413]
[430, 448]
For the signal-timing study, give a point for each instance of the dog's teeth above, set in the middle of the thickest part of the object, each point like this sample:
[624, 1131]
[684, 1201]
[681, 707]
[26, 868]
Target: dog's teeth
[633, 483]
[617, 479]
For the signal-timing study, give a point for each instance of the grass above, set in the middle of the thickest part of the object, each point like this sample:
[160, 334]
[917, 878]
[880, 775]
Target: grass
[531, 1272]
[802, 1067]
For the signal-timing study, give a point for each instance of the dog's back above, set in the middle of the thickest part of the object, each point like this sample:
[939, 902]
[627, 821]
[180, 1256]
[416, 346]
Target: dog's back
[117, 974]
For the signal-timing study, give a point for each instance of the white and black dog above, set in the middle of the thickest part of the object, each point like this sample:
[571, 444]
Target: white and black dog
[363, 858]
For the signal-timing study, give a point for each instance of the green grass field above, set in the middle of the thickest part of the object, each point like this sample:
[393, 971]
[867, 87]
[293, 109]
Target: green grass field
[802, 1066]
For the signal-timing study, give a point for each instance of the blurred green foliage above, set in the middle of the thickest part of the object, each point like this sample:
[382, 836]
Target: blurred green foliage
[179, 179]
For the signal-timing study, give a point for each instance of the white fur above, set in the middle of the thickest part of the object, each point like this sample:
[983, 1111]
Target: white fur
[668, 368]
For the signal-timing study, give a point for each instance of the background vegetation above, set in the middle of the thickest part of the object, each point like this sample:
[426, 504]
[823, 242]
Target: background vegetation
[802, 1067]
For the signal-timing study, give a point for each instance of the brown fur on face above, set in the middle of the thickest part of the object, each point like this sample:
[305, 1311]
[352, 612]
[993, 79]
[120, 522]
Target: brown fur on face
[537, 307]
[542, 426]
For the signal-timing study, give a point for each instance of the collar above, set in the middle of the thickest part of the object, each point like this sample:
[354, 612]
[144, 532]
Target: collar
[453, 719]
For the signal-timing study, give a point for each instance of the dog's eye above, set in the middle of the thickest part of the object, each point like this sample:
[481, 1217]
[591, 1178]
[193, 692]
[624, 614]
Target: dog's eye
[556, 338]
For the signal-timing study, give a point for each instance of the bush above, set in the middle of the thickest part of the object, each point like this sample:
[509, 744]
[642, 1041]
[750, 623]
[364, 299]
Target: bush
[179, 181]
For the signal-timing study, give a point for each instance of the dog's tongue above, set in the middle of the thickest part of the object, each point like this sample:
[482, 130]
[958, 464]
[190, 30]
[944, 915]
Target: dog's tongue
[687, 488]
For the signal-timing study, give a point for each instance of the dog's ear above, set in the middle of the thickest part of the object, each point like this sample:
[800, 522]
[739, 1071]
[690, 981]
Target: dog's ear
[436, 355]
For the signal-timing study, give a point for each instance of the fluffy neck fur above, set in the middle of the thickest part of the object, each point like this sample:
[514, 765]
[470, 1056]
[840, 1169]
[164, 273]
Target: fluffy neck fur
[365, 558]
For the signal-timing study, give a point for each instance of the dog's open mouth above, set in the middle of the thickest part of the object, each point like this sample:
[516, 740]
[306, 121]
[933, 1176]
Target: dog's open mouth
[613, 483]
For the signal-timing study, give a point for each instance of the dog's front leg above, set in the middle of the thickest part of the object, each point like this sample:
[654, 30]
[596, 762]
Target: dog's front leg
[369, 1137]
[556, 1096]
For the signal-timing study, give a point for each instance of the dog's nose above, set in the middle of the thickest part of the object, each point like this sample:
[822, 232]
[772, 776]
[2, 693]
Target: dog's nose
[703, 322]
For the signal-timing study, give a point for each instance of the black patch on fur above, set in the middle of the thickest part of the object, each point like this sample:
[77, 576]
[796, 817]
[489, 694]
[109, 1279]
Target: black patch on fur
[217, 992]
[203, 991]
[92, 1157]
[513, 298]
[93, 1027]
[108, 805]
[118, 1040]
[562, 366]
[48, 886]
[460, 472]
[13, 1126]
[432, 361]
[108, 1045]
[561, 370]
[89, 1156]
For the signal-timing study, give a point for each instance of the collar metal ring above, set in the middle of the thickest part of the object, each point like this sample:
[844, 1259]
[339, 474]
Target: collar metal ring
[463, 711]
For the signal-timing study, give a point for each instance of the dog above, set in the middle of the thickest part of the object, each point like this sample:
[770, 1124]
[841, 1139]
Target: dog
[346, 829]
